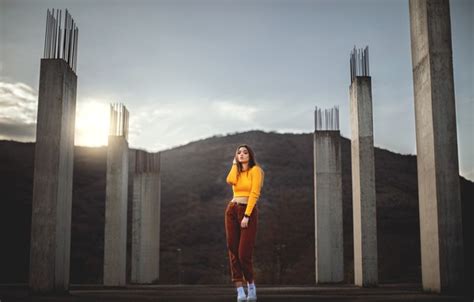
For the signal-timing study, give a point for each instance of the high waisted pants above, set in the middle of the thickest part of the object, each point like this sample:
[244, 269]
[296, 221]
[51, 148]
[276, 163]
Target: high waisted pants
[240, 241]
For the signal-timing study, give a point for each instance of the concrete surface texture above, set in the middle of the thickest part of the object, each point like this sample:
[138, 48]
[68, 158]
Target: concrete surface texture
[329, 245]
[146, 219]
[436, 143]
[53, 173]
[115, 236]
[363, 183]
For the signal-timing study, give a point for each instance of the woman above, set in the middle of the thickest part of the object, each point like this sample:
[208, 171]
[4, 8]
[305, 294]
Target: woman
[241, 218]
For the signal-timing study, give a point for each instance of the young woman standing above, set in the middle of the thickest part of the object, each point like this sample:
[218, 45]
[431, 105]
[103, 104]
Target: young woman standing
[241, 218]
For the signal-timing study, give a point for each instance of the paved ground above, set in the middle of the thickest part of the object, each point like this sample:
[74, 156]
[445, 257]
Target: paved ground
[218, 293]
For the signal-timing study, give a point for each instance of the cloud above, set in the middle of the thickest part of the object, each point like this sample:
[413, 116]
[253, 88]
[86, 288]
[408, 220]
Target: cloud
[161, 124]
[231, 110]
[18, 107]
[12, 130]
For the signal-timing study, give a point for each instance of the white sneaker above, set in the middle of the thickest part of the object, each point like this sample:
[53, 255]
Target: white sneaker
[241, 297]
[252, 296]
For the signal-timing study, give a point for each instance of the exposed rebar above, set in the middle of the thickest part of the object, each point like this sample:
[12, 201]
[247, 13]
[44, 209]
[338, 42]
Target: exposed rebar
[359, 63]
[118, 120]
[327, 119]
[61, 43]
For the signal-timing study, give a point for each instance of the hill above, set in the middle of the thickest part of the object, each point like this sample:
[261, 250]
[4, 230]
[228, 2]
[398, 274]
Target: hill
[194, 197]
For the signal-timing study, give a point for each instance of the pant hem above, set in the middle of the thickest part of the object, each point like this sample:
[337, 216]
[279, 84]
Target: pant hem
[238, 280]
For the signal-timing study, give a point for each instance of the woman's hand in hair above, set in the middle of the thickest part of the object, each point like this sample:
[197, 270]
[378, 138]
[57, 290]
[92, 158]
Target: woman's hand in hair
[234, 161]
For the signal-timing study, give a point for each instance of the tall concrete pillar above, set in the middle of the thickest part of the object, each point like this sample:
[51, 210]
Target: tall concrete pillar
[53, 168]
[363, 172]
[442, 260]
[329, 245]
[115, 245]
[146, 218]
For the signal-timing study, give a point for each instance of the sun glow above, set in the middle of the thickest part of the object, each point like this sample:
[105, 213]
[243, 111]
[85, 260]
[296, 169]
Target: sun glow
[92, 124]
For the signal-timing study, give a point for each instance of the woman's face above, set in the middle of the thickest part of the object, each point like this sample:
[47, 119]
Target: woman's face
[243, 155]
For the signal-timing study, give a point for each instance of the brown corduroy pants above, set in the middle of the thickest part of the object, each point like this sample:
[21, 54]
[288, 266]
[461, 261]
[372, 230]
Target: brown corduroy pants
[240, 241]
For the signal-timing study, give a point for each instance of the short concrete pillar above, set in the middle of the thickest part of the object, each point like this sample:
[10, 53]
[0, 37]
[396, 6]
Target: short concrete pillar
[442, 256]
[146, 218]
[54, 156]
[115, 235]
[363, 173]
[329, 245]
[52, 184]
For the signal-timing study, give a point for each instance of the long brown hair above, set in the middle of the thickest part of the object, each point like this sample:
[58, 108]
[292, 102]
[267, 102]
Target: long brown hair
[252, 160]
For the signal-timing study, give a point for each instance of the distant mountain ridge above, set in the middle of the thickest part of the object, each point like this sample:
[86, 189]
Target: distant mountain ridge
[194, 197]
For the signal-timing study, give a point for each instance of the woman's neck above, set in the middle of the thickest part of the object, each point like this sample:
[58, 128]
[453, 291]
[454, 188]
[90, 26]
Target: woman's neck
[245, 166]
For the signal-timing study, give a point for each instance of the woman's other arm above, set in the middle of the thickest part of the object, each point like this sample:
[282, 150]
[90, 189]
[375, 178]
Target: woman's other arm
[257, 180]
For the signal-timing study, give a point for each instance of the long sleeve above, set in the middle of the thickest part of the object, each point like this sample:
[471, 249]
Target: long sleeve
[232, 176]
[257, 181]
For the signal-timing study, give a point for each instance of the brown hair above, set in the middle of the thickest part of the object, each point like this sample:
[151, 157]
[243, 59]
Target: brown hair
[252, 161]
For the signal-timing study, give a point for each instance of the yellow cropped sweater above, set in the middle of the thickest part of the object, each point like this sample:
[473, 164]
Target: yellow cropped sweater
[248, 184]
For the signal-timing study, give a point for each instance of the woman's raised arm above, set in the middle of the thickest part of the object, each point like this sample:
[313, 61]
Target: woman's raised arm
[232, 176]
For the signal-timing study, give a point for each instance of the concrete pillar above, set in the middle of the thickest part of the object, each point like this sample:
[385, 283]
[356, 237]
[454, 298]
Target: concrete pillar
[329, 245]
[146, 218]
[52, 184]
[442, 259]
[363, 183]
[115, 245]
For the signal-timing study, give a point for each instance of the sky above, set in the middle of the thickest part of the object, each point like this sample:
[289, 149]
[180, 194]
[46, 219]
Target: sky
[191, 69]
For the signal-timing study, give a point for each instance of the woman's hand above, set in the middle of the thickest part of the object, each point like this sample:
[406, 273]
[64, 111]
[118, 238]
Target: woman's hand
[245, 222]
[234, 161]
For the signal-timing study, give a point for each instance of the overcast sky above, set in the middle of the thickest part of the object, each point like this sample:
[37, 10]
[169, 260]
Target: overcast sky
[188, 70]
